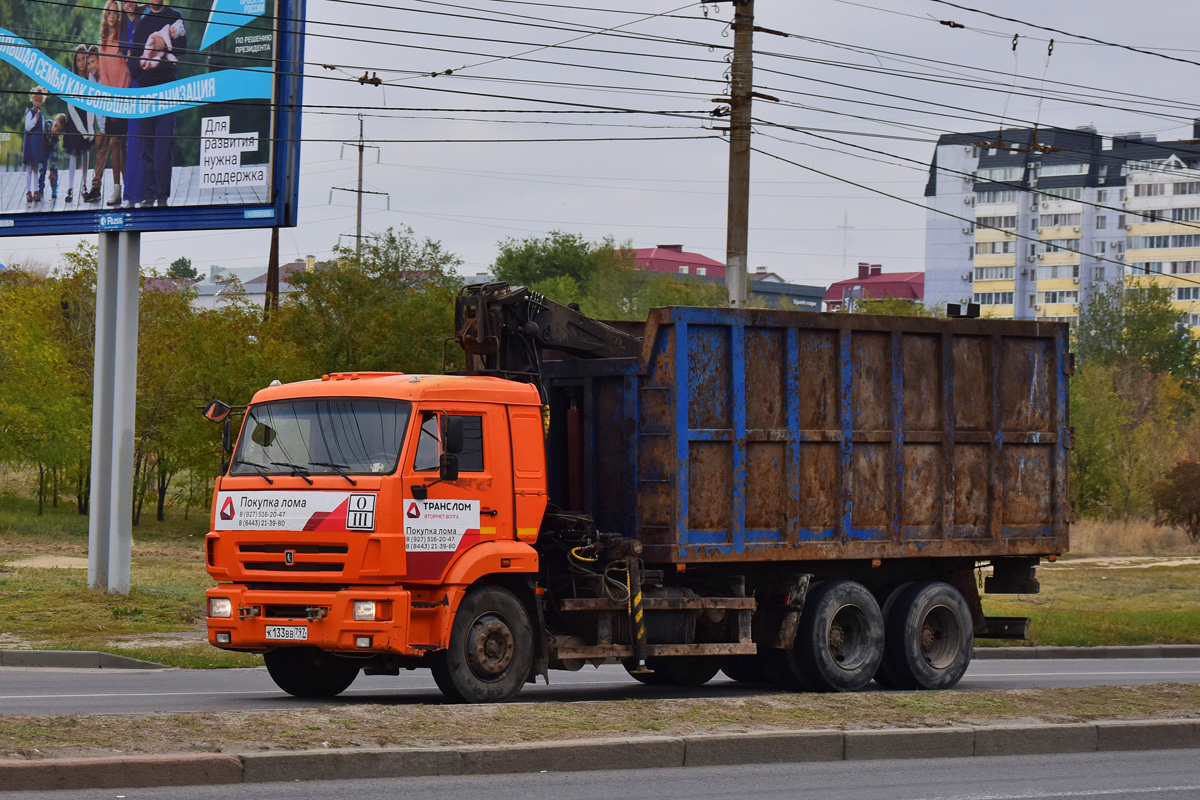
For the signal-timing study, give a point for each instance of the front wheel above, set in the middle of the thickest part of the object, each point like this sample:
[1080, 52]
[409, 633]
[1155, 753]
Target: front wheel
[490, 652]
[309, 672]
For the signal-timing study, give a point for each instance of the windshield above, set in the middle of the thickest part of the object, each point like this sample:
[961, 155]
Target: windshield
[322, 436]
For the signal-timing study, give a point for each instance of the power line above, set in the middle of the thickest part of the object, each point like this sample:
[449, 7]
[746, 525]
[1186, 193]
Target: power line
[494, 173]
[568, 41]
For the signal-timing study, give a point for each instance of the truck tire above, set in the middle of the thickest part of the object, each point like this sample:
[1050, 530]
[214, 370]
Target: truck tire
[929, 637]
[309, 672]
[887, 597]
[490, 652]
[677, 671]
[839, 643]
[745, 669]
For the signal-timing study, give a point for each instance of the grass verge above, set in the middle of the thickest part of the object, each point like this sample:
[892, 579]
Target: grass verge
[384, 725]
[53, 608]
[1092, 605]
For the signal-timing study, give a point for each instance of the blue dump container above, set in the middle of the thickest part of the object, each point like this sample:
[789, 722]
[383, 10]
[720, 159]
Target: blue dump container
[753, 435]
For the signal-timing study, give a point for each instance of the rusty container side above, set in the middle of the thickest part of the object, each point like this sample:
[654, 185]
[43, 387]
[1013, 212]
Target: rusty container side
[745, 435]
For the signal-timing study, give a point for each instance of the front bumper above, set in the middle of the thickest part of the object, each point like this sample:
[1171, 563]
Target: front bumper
[325, 618]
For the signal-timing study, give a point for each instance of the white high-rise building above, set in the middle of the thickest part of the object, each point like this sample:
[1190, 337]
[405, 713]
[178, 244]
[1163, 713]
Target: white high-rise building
[1025, 223]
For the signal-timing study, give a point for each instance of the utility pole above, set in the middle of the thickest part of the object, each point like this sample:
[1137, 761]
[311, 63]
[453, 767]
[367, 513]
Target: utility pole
[360, 191]
[741, 89]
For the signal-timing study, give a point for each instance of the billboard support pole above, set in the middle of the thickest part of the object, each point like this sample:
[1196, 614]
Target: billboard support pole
[114, 398]
[120, 527]
[100, 489]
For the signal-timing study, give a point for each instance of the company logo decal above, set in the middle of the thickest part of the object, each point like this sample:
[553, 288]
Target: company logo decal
[413, 511]
[289, 557]
[315, 511]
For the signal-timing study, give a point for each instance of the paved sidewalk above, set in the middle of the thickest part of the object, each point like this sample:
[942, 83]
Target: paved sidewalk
[645, 752]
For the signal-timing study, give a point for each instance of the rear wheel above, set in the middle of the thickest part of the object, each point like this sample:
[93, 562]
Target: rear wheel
[929, 637]
[490, 652]
[678, 671]
[887, 597]
[745, 669]
[839, 643]
[309, 672]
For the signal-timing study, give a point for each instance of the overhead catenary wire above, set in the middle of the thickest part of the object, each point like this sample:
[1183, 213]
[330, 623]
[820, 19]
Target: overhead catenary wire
[1062, 32]
[1086, 91]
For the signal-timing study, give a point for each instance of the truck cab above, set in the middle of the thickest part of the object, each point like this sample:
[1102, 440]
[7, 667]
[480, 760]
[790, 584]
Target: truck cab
[358, 509]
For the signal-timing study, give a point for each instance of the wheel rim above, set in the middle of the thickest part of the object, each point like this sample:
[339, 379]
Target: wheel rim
[848, 639]
[490, 647]
[939, 637]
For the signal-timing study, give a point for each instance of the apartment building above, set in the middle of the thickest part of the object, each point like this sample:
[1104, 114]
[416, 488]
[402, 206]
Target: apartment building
[1026, 222]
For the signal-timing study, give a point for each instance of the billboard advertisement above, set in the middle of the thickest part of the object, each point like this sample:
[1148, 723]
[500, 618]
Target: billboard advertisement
[121, 115]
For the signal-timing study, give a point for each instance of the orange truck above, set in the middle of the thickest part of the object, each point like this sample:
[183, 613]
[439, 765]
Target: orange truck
[787, 497]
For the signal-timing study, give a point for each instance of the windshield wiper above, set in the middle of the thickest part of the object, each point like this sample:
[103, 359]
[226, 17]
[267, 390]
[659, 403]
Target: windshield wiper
[336, 468]
[295, 468]
[262, 471]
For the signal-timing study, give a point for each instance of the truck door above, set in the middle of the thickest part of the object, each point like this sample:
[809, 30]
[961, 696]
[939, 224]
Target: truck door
[477, 507]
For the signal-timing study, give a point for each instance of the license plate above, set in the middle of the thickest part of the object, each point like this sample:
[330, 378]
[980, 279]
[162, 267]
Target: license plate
[291, 633]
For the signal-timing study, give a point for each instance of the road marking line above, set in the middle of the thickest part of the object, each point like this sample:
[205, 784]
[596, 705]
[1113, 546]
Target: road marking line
[1084, 674]
[1040, 795]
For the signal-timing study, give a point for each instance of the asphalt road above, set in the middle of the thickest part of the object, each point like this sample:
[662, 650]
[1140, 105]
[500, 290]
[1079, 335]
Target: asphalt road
[1154, 775]
[56, 691]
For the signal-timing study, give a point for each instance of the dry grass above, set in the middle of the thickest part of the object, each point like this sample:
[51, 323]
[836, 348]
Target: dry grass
[1134, 538]
[399, 725]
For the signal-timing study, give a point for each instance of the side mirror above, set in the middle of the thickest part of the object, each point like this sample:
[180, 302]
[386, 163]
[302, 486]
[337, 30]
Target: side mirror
[448, 467]
[262, 435]
[419, 491]
[226, 437]
[217, 411]
[452, 435]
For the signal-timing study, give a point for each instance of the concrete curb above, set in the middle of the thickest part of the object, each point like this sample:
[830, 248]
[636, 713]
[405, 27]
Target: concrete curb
[646, 752]
[72, 659]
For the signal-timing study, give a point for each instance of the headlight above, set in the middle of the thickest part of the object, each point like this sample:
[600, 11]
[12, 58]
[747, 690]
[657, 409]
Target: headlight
[220, 607]
[364, 610]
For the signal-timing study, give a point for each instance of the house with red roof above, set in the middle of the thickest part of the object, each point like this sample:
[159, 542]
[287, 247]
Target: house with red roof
[873, 283]
[672, 258]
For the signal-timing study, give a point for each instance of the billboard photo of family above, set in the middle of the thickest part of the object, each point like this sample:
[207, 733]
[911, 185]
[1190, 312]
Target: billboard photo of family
[112, 104]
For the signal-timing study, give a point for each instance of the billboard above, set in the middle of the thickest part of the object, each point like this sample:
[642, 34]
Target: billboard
[120, 115]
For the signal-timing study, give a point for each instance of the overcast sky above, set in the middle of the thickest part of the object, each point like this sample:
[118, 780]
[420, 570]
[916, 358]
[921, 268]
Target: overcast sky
[470, 195]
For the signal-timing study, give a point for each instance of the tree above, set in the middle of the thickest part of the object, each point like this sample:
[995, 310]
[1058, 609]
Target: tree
[398, 260]
[391, 311]
[182, 269]
[44, 415]
[1136, 325]
[601, 277]
[1176, 501]
[532, 260]
[898, 307]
